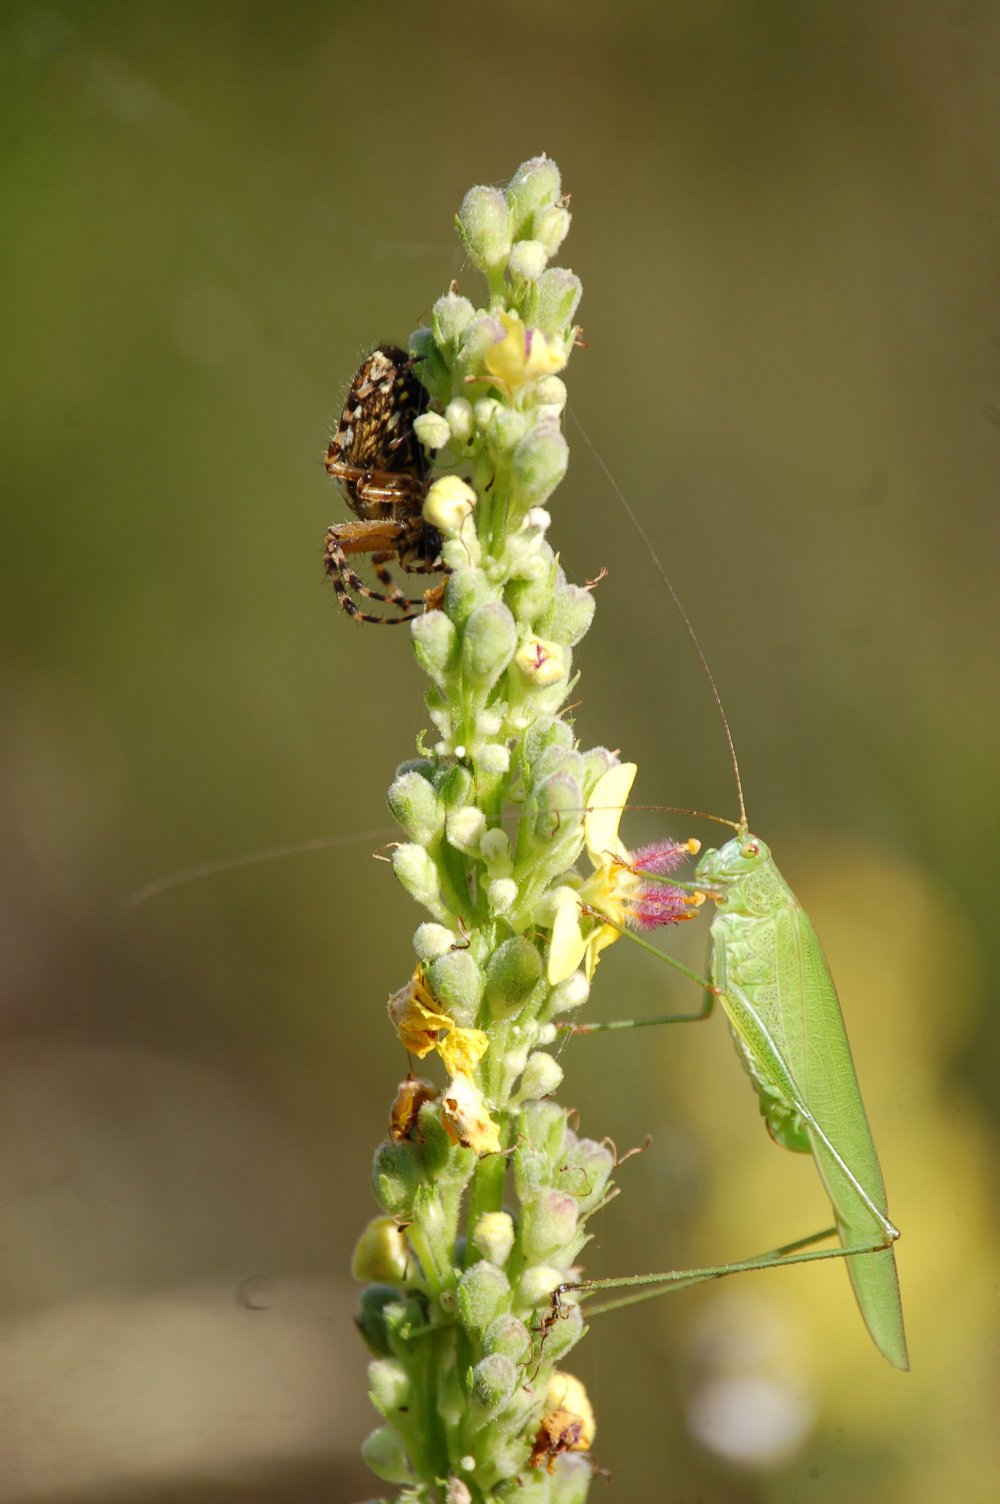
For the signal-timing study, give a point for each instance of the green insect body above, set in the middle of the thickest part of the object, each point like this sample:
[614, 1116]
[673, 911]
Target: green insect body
[775, 986]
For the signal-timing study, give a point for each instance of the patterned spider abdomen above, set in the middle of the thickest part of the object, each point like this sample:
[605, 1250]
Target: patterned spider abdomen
[375, 443]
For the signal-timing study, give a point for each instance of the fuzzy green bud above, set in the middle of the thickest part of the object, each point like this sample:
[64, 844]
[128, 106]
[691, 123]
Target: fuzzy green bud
[389, 1386]
[535, 1288]
[488, 644]
[507, 429]
[559, 294]
[567, 1331]
[596, 763]
[514, 971]
[435, 644]
[433, 940]
[383, 1452]
[529, 598]
[541, 1077]
[494, 1380]
[536, 185]
[466, 827]
[494, 1236]
[550, 227]
[376, 1305]
[430, 364]
[457, 983]
[483, 1293]
[571, 1481]
[528, 259]
[450, 501]
[432, 430]
[569, 615]
[381, 1252]
[543, 1125]
[494, 759]
[547, 731]
[396, 1181]
[450, 317]
[547, 391]
[417, 808]
[459, 417]
[573, 992]
[507, 1335]
[585, 1172]
[483, 224]
[465, 592]
[418, 874]
[456, 786]
[557, 807]
[501, 894]
[484, 412]
[539, 463]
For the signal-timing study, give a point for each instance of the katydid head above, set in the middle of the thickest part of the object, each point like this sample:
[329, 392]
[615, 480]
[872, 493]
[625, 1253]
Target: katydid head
[732, 862]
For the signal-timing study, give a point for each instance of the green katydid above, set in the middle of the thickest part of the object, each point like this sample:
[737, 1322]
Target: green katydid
[773, 981]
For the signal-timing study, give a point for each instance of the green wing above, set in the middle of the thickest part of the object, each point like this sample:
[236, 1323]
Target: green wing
[793, 1029]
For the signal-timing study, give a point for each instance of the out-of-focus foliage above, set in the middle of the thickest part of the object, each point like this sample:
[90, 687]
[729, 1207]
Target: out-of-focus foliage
[211, 211]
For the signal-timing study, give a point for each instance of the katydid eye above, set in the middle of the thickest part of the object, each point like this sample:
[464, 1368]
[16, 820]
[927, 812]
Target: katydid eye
[751, 849]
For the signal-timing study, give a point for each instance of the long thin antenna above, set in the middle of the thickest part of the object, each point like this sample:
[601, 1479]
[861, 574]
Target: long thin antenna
[678, 603]
[246, 859]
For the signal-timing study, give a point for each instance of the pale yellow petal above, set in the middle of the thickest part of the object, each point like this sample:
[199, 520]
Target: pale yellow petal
[466, 1118]
[604, 811]
[567, 945]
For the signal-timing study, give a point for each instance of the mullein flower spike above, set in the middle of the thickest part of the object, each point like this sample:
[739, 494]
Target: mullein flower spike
[484, 1189]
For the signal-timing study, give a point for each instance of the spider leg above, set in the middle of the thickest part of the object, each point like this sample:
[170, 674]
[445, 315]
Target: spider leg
[348, 583]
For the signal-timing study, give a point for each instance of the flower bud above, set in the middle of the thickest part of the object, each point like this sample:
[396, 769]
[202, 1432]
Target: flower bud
[396, 1179]
[372, 1320]
[488, 644]
[535, 1288]
[530, 596]
[432, 430]
[528, 259]
[570, 993]
[465, 592]
[507, 1335]
[494, 1236]
[585, 1172]
[484, 412]
[456, 1491]
[459, 417]
[549, 392]
[514, 971]
[541, 1077]
[550, 227]
[483, 223]
[571, 1482]
[450, 501]
[494, 1380]
[567, 1331]
[493, 759]
[465, 828]
[542, 662]
[535, 186]
[556, 807]
[569, 615]
[457, 983]
[507, 429]
[416, 807]
[539, 463]
[381, 1253]
[543, 1125]
[418, 874]
[559, 294]
[435, 644]
[501, 894]
[433, 940]
[596, 763]
[450, 317]
[383, 1453]
[483, 1292]
[389, 1386]
[428, 361]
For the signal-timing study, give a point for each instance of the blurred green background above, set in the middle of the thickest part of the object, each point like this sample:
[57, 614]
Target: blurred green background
[787, 220]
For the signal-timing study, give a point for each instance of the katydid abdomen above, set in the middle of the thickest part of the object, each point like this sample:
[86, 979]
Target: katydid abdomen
[775, 986]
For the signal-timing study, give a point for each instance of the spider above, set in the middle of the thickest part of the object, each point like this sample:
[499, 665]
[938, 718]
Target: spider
[379, 461]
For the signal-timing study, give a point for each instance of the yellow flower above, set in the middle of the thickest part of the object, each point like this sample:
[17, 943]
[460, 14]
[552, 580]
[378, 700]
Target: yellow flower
[466, 1118]
[522, 354]
[567, 1422]
[422, 1027]
[416, 1016]
[578, 939]
[462, 1049]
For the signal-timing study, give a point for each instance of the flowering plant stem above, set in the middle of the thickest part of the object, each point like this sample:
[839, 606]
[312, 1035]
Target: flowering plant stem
[485, 1192]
